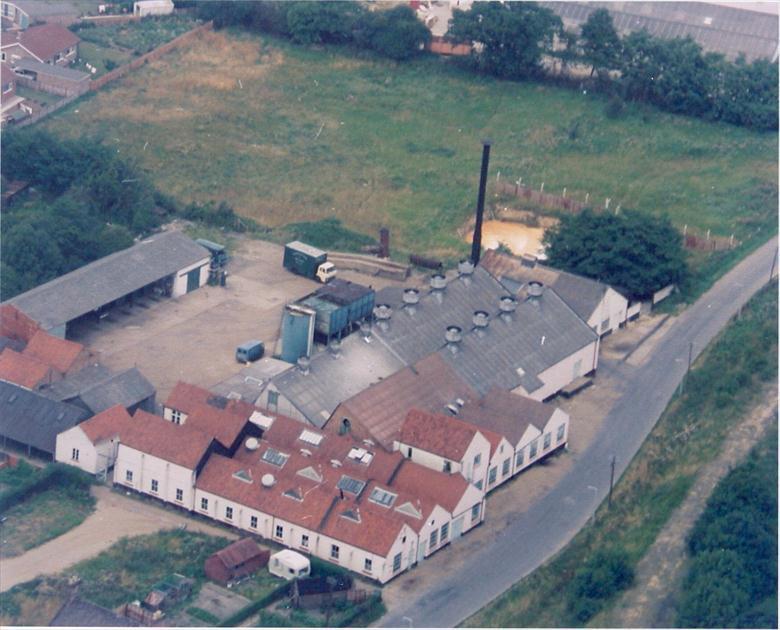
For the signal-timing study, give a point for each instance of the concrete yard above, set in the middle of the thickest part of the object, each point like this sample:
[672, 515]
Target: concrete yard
[193, 338]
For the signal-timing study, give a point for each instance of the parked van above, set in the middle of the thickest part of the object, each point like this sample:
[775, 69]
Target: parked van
[250, 351]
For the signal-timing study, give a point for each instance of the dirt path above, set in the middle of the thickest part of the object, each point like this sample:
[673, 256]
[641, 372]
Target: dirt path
[115, 516]
[650, 602]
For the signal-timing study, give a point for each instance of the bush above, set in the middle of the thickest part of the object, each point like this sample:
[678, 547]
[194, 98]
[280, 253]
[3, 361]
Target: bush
[607, 572]
[615, 108]
[110, 64]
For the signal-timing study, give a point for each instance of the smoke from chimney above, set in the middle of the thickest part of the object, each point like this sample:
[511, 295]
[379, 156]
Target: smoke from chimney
[476, 241]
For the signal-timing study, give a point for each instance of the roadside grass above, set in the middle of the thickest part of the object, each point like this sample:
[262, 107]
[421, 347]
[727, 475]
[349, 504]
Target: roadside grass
[42, 517]
[725, 381]
[287, 134]
[123, 573]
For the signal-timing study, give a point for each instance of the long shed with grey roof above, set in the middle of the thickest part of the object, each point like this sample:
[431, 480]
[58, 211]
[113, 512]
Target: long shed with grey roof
[33, 421]
[168, 263]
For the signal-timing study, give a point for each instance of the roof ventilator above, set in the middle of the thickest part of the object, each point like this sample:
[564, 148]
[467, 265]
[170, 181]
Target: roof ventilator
[507, 306]
[383, 313]
[480, 320]
[268, 480]
[335, 348]
[453, 409]
[535, 290]
[438, 282]
[304, 363]
[365, 331]
[453, 335]
[411, 298]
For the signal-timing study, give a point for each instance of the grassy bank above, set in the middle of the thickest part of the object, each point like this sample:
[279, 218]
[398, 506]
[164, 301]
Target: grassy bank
[287, 134]
[726, 379]
[39, 504]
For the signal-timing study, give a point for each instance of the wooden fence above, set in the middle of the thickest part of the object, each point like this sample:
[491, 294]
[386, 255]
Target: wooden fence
[540, 198]
[150, 56]
[50, 109]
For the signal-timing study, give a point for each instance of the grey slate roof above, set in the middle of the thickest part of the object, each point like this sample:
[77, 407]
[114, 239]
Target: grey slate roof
[107, 279]
[332, 380]
[48, 69]
[127, 388]
[73, 384]
[251, 380]
[78, 613]
[490, 358]
[35, 420]
[716, 28]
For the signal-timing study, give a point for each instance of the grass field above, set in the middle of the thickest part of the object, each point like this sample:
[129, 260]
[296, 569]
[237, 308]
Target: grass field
[726, 380]
[289, 134]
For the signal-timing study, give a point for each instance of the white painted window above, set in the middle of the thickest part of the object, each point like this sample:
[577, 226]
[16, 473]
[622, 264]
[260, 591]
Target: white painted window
[505, 467]
[434, 539]
[74, 455]
[547, 440]
[204, 504]
[229, 513]
[304, 540]
[279, 531]
[176, 417]
[492, 475]
[253, 522]
[561, 432]
[397, 563]
[334, 552]
[479, 484]
[477, 459]
[179, 494]
[367, 565]
[445, 532]
[520, 458]
[532, 449]
[475, 512]
[155, 486]
[129, 476]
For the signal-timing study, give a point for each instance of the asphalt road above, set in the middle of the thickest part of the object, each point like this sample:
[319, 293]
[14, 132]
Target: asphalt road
[550, 524]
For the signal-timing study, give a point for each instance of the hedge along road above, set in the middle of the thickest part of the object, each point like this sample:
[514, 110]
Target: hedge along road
[557, 516]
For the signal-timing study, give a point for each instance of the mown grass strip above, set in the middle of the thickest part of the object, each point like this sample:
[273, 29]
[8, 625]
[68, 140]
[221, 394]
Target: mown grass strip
[725, 381]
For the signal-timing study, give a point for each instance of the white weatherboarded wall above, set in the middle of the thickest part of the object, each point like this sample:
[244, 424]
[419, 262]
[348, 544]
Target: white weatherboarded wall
[146, 468]
[90, 457]
[180, 279]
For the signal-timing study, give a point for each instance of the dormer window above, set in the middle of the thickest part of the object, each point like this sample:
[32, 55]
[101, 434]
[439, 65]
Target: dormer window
[177, 417]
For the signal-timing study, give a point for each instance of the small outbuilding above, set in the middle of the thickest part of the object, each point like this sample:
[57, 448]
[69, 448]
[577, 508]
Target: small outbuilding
[240, 559]
[289, 565]
[144, 8]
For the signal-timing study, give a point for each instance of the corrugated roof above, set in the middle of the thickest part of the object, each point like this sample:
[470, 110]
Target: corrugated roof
[238, 553]
[88, 288]
[332, 380]
[582, 294]
[714, 27]
[431, 384]
[73, 384]
[127, 388]
[61, 72]
[507, 414]
[35, 420]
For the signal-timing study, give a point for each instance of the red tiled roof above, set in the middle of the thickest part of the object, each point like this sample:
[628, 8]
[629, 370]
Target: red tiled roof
[174, 443]
[106, 424]
[46, 40]
[437, 433]
[21, 369]
[13, 322]
[446, 490]
[222, 425]
[186, 398]
[58, 353]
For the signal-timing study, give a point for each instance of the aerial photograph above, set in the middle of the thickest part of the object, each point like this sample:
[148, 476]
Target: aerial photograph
[384, 313]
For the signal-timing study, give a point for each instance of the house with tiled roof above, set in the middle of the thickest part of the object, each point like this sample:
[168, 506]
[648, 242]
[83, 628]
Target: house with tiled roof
[162, 459]
[447, 444]
[93, 444]
[185, 398]
[534, 429]
[47, 43]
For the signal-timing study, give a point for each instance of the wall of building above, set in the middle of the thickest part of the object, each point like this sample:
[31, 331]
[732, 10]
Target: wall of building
[283, 405]
[242, 515]
[610, 313]
[75, 438]
[145, 468]
[561, 374]
[465, 467]
[55, 85]
[180, 280]
[504, 452]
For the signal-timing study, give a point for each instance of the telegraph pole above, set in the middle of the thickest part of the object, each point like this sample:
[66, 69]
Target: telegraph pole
[611, 481]
[774, 262]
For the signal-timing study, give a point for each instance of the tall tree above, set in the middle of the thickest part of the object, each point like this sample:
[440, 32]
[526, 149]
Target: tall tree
[637, 252]
[601, 45]
[510, 38]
